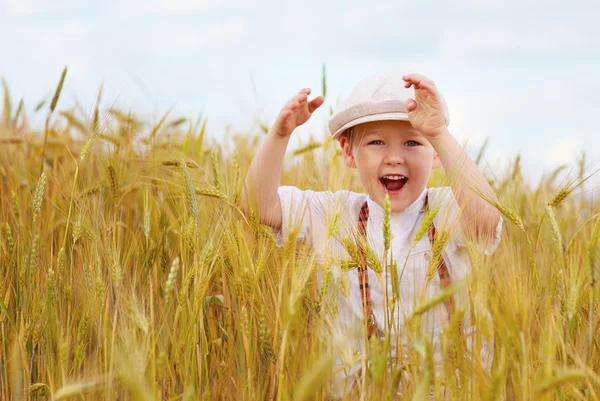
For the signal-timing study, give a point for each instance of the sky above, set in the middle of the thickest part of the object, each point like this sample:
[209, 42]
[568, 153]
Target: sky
[523, 73]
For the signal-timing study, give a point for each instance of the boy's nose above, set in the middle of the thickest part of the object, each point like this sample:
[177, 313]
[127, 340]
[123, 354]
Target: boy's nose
[394, 158]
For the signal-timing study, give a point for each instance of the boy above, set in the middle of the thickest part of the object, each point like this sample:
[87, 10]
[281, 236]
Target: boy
[394, 136]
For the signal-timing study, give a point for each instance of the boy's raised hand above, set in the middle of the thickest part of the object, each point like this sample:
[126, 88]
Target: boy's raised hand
[426, 110]
[296, 112]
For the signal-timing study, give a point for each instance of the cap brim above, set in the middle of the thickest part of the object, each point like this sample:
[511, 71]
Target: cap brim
[397, 116]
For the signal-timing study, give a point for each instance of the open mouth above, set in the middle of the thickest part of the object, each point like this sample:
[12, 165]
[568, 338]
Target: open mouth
[393, 183]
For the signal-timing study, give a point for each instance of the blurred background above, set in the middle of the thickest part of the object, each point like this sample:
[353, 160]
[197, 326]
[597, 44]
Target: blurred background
[523, 73]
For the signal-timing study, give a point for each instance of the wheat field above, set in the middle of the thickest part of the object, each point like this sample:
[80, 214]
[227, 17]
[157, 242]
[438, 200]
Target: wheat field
[129, 271]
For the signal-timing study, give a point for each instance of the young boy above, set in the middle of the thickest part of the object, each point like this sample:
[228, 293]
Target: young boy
[393, 129]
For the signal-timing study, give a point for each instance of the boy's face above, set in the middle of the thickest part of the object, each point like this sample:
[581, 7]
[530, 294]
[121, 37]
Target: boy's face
[392, 157]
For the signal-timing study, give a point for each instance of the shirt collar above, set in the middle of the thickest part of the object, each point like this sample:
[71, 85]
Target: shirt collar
[376, 211]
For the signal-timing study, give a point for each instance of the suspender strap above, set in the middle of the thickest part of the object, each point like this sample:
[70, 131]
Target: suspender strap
[442, 268]
[363, 275]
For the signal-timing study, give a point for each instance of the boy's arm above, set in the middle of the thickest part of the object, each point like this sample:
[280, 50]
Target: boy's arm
[471, 190]
[262, 181]
[264, 174]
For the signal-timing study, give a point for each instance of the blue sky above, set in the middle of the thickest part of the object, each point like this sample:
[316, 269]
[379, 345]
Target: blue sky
[523, 72]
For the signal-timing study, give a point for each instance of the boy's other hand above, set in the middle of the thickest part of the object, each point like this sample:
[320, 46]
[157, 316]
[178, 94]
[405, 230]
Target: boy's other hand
[426, 110]
[296, 112]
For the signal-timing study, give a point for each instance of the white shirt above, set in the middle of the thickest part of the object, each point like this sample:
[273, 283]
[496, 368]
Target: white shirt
[310, 212]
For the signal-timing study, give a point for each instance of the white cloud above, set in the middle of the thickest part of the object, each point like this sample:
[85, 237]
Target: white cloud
[496, 39]
[204, 36]
[565, 150]
[178, 7]
[165, 7]
[23, 7]
[75, 27]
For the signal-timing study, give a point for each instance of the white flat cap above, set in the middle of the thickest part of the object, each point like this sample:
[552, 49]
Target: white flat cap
[381, 96]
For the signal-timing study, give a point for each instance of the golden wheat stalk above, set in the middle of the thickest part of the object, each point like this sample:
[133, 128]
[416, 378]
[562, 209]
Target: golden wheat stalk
[58, 90]
[15, 207]
[387, 230]
[211, 193]
[372, 259]
[87, 147]
[38, 197]
[561, 196]
[215, 170]
[177, 163]
[509, 214]
[308, 148]
[112, 182]
[425, 224]
[170, 284]
[11, 141]
[9, 238]
[556, 235]
[560, 379]
[189, 189]
[594, 255]
[92, 190]
[351, 248]
[110, 138]
[437, 299]
[333, 224]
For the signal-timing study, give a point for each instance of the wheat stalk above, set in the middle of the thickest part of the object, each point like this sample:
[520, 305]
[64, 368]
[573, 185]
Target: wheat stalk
[561, 196]
[88, 146]
[594, 255]
[333, 224]
[9, 238]
[15, 207]
[437, 299]
[38, 197]
[425, 224]
[308, 148]
[560, 379]
[554, 227]
[213, 193]
[509, 214]
[58, 90]
[387, 231]
[189, 189]
[350, 247]
[372, 259]
[171, 278]
[112, 182]
[215, 170]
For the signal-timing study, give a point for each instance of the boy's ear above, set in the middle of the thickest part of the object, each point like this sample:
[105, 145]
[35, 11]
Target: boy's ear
[347, 152]
[437, 162]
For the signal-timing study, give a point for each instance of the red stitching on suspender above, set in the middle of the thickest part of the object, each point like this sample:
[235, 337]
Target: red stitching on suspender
[363, 275]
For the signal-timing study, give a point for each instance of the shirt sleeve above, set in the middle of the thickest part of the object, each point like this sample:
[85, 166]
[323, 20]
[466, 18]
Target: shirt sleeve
[304, 214]
[448, 217]
[295, 213]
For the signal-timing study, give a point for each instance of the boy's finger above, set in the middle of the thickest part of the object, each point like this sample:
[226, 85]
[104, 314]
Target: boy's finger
[292, 104]
[305, 90]
[419, 81]
[315, 103]
[297, 100]
[416, 78]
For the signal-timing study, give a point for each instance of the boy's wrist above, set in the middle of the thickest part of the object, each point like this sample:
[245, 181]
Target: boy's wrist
[279, 137]
[437, 140]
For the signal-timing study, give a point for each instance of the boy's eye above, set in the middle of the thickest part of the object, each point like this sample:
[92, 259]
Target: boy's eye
[411, 143]
[376, 142]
